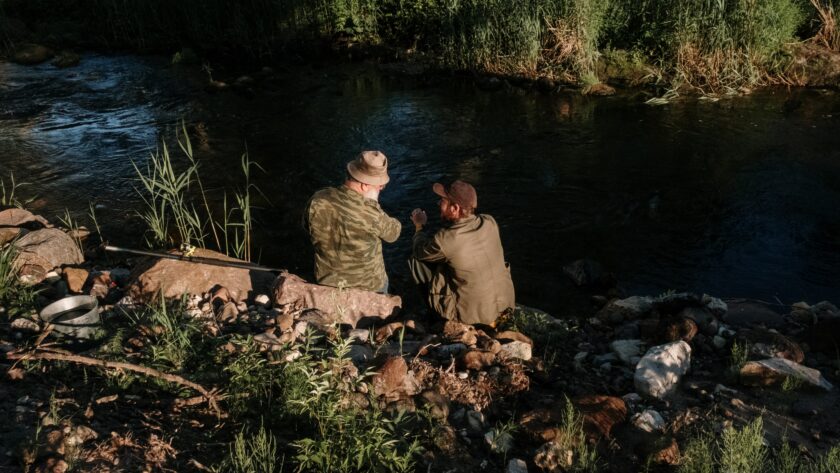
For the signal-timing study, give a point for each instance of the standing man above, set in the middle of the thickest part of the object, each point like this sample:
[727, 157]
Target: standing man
[347, 227]
[462, 267]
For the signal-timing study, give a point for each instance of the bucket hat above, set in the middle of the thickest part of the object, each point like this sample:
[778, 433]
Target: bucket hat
[370, 167]
[459, 192]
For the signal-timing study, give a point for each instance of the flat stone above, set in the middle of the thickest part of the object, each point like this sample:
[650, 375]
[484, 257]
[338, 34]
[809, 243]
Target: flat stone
[508, 336]
[775, 370]
[601, 413]
[715, 305]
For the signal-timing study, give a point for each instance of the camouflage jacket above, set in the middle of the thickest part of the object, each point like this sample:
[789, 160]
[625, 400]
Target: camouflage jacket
[347, 230]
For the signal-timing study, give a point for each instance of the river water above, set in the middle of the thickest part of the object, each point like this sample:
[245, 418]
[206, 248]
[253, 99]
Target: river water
[735, 198]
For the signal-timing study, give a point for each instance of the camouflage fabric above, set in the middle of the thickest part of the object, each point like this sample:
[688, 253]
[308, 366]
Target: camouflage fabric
[347, 232]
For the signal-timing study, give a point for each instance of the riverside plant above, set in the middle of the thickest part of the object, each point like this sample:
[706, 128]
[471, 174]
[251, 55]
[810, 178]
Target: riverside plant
[8, 192]
[172, 215]
[344, 438]
[743, 450]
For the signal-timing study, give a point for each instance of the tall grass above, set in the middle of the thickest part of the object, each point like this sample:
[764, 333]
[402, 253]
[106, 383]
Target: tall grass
[14, 295]
[8, 192]
[178, 211]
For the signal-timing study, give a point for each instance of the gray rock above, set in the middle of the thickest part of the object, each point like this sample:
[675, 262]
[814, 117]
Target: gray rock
[475, 421]
[452, 350]
[499, 442]
[706, 322]
[517, 349]
[649, 421]
[269, 341]
[635, 305]
[747, 314]
[583, 272]
[660, 370]
[31, 54]
[625, 350]
[605, 358]
[717, 306]
[515, 465]
[628, 331]
[360, 354]
[719, 342]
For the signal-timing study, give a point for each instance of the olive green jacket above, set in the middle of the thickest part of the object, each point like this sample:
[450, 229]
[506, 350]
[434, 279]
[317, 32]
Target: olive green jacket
[472, 282]
[347, 230]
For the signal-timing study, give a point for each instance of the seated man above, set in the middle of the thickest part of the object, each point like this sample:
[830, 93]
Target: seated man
[347, 227]
[462, 266]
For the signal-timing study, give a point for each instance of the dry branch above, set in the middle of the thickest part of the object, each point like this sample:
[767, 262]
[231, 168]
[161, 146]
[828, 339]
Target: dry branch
[212, 396]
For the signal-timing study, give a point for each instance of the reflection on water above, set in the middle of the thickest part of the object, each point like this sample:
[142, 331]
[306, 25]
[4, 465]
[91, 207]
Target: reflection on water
[734, 198]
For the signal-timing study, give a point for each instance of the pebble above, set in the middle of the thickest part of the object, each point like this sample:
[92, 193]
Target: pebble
[515, 465]
[262, 300]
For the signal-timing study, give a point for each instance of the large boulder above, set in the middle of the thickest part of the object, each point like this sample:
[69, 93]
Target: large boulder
[156, 277]
[30, 54]
[42, 251]
[660, 370]
[347, 306]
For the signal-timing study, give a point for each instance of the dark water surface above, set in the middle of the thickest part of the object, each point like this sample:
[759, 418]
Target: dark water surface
[739, 197]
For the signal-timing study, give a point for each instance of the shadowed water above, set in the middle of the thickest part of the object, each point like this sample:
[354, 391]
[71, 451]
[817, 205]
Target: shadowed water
[738, 197]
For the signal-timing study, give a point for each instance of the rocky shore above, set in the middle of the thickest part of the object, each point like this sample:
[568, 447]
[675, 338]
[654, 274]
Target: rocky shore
[645, 376]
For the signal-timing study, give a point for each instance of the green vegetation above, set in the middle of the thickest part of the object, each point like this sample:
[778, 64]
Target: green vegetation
[172, 214]
[8, 192]
[738, 357]
[744, 451]
[701, 45]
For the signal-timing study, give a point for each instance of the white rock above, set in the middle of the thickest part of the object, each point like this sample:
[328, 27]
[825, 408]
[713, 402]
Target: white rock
[25, 325]
[661, 369]
[581, 356]
[360, 334]
[300, 328]
[649, 421]
[292, 356]
[515, 465]
[517, 349]
[626, 349]
[262, 300]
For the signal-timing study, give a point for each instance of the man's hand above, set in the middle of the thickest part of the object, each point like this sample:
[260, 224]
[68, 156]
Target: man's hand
[418, 216]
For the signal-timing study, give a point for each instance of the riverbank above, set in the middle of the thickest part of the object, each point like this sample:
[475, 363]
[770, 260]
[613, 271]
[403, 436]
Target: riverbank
[238, 375]
[686, 47]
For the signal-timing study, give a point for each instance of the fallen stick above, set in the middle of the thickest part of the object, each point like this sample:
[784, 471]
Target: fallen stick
[211, 396]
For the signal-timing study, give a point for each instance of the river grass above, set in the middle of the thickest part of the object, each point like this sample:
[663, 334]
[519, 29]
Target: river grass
[709, 45]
